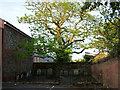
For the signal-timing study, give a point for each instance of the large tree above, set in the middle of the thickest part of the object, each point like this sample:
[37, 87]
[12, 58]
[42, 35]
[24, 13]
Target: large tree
[59, 28]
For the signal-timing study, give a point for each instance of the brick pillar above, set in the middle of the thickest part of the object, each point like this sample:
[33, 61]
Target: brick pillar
[1, 50]
[0, 54]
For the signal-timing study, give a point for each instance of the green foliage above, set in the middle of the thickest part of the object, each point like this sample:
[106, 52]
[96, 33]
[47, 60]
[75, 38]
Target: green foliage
[106, 36]
[59, 27]
[86, 59]
[24, 48]
[79, 60]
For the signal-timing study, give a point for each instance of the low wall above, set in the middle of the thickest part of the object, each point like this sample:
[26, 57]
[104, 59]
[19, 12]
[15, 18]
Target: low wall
[107, 72]
[64, 69]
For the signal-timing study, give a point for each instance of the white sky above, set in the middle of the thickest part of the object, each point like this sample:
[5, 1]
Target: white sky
[10, 9]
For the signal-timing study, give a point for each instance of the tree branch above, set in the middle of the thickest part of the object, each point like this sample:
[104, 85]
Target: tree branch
[52, 33]
[78, 52]
[76, 41]
[110, 20]
[72, 42]
[60, 36]
[78, 23]
[49, 29]
[57, 24]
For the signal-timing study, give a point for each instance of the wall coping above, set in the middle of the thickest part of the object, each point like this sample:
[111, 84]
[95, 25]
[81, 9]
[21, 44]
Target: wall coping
[107, 59]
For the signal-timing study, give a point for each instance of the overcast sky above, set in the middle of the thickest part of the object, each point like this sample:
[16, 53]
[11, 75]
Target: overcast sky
[10, 9]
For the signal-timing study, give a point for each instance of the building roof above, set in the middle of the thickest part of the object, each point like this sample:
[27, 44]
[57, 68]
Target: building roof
[16, 29]
[90, 54]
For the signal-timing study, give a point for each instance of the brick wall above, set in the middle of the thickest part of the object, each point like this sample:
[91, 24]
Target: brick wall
[12, 67]
[107, 72]
[119, 73]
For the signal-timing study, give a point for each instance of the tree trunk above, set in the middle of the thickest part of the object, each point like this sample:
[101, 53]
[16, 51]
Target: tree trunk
[61, 58]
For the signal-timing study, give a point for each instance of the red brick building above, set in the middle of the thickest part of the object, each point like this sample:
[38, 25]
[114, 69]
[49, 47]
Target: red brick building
[12, 68]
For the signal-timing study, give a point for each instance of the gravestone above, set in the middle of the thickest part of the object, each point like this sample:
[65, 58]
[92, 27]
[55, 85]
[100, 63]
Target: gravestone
[76, 71]
[27, 74]
[50, 71]
[65, 73]
[61, 72]
[17, 78]
[85, 72]
[21, 75]
[39, 72]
